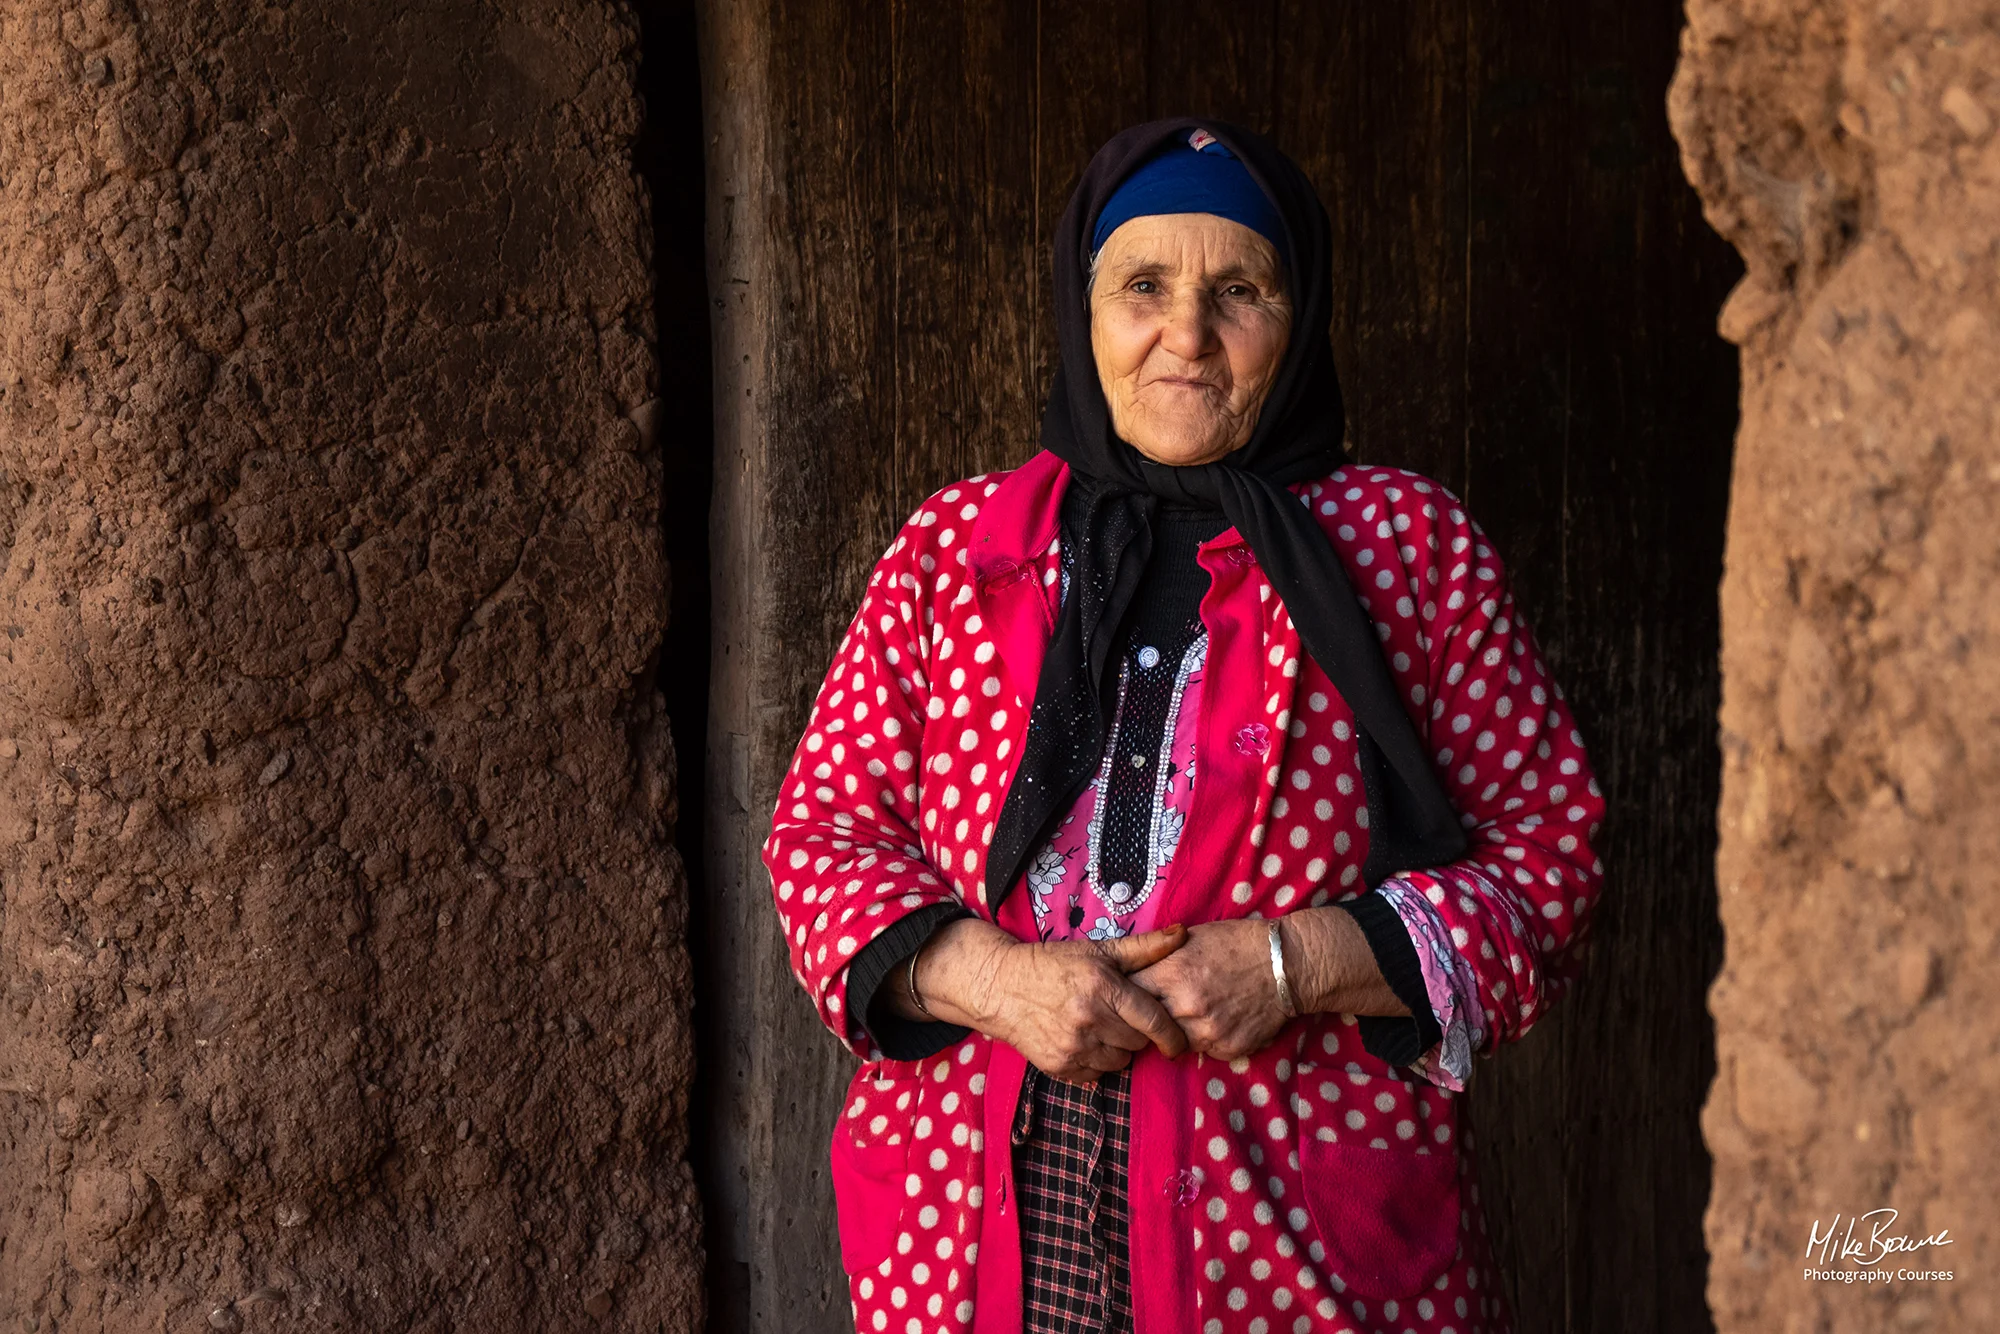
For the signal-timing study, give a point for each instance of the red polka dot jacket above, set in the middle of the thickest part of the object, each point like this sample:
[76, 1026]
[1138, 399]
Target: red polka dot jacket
[1311, 1187]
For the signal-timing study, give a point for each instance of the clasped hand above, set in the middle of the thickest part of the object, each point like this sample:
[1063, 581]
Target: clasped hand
[1077, 1009]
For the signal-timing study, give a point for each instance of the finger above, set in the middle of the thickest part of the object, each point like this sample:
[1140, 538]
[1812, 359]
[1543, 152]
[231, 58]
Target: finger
[1142, 1011]
[1228, 1043]
[1109, 1027]
[1128, 954]
[1203, 1036]
[1089, 1060]
[1091, 1016]
[1154, 977]
[1104, 1059]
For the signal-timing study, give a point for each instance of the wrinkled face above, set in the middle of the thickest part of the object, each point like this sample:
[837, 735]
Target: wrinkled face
[1189, 322]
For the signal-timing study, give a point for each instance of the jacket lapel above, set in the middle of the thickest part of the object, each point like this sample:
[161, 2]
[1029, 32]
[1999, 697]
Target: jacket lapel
[1009, 536]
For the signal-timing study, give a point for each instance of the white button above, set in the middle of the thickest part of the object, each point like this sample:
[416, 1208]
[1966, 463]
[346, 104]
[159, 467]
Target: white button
[1149, 657]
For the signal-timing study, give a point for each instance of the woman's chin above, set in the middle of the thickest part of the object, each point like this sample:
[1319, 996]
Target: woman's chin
[1180, 439]
[1182, 450]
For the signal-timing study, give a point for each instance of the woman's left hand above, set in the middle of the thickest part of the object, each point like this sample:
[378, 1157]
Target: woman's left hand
[1219, 988]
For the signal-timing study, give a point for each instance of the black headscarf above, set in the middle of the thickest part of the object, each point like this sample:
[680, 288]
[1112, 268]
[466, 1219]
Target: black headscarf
[1297, 437]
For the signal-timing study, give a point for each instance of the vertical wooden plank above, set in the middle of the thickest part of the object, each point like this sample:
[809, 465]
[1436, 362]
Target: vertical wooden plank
[967, 396]
[1600, 412]
[1209, 58]
[1650, 446]
[1371, 102]
[799, 200]
[872, 205]
[1517, 373]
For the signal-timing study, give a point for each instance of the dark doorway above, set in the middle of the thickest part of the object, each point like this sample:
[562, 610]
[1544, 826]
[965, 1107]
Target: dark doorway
[669, 157]
[1529, 304]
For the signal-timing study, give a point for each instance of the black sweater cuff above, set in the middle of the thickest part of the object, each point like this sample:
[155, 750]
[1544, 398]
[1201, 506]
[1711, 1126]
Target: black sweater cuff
[900, 1039]
[1395, 1038]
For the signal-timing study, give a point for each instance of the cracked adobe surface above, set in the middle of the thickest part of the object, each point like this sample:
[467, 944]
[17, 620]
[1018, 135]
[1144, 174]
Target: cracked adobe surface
[341, 975]
[1848, 150]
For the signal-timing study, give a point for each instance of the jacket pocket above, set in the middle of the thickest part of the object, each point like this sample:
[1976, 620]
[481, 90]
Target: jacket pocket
[870, 1149]
[1388, 1217]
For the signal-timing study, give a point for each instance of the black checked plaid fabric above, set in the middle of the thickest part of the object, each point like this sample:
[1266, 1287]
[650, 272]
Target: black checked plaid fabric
[1070, 1145]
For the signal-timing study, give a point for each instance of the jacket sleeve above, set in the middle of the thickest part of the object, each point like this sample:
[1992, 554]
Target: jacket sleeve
[1397, 1039]
[870, 984]
[1450, 989]
[845, 856]
[1518, 905]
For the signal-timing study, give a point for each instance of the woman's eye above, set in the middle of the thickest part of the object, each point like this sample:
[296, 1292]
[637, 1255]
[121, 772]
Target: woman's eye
[1145, 286]
[1237, 290]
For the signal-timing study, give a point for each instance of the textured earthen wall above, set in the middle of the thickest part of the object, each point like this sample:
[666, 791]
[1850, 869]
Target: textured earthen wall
[1849, 150]
[341, 982]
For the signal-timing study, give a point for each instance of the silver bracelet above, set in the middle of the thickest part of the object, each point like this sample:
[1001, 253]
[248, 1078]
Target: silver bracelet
[916, 995]
[1285, 1001]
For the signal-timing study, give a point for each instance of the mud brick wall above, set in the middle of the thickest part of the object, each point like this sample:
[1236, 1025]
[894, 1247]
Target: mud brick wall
[1848, 149]
[341, 984]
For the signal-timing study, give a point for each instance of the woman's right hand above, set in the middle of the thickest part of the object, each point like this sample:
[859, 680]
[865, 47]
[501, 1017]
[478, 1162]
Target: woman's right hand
[1065, 1005]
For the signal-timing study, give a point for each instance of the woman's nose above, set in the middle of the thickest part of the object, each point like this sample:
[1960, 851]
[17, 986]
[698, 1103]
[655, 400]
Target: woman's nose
[1189, 332]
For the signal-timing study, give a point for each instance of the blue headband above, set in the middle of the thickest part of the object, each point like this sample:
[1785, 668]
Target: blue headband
[1203, 177]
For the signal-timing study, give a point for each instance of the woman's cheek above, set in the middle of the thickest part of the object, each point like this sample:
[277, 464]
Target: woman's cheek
[1263, 340]
[1121, 338]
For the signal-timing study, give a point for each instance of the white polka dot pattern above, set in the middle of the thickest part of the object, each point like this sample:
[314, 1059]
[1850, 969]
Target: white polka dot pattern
[889, 805]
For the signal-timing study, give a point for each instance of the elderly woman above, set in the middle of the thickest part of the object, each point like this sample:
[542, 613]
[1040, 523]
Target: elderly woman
[1182, 812]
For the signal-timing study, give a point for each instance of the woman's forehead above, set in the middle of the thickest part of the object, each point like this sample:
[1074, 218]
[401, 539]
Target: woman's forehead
[1176, 240]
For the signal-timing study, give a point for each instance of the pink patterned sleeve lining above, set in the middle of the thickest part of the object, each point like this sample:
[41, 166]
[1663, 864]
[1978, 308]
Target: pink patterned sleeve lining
[1448, 978]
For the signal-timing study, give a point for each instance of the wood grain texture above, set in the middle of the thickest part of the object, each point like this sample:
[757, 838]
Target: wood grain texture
[1388, 153]
[1526, 312]
[1600, 407]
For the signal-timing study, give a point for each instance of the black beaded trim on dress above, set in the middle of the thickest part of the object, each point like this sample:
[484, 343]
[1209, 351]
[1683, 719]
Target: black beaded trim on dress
[1163, 624]
[1132, 783]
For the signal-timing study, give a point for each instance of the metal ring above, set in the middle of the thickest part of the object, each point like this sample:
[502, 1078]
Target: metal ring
[1285, 1001]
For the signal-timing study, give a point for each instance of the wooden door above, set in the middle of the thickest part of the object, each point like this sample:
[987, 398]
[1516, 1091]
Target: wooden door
[1528, 297]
